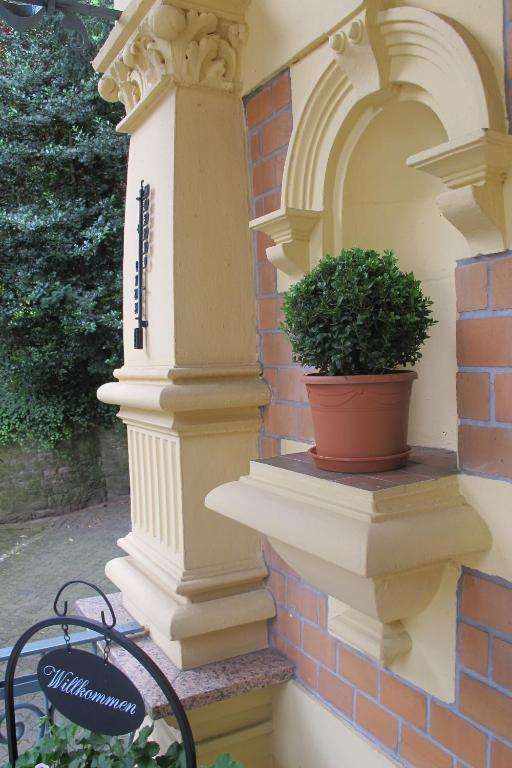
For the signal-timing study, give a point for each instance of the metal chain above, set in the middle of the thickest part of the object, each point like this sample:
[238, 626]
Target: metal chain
[67, 638]
[106, 649]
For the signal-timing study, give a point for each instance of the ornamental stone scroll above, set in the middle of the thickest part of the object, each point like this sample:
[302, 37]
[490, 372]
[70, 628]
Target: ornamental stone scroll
[172, 46]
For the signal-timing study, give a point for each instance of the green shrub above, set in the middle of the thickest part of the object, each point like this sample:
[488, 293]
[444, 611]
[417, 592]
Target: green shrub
[357, 313]
[62, 167]
[67, 746]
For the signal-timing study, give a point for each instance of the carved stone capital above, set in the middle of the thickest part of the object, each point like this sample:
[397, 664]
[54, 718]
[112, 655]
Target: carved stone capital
[177, 46]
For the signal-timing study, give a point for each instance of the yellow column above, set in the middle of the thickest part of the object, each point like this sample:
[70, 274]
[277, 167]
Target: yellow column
[190, 397]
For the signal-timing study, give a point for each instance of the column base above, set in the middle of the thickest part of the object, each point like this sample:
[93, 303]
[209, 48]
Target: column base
[199, 631]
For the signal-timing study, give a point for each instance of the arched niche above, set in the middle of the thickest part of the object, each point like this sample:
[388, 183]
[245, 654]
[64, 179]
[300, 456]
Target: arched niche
[379, 202]
[409, 103]
[379, 57]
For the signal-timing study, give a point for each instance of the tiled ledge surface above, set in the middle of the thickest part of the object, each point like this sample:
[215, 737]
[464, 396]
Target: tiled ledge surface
[196, 687]
[424, 464]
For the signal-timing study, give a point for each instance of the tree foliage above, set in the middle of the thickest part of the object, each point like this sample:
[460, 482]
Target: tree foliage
[62, 169]
[357, 313]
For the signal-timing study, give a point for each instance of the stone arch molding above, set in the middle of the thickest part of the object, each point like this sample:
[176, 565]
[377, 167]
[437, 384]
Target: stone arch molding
[378, 56]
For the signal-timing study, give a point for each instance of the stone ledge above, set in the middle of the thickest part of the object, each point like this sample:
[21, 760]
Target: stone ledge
[198, 687]
[378, 544]
[423, 464]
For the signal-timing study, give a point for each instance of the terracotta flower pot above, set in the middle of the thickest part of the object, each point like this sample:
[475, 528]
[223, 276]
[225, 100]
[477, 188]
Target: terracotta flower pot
[360, 422]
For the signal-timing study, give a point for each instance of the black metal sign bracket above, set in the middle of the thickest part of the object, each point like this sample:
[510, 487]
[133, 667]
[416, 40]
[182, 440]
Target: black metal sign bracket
[111, 635]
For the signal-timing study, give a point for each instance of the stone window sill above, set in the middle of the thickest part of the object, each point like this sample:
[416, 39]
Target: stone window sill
[384, 547]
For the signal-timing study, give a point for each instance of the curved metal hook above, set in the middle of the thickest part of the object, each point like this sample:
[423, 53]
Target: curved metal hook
[96, 589]
[24, 15]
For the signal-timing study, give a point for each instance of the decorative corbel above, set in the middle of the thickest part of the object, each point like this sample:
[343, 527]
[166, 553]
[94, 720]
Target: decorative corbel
[359, 546]
[474, 169]
[290, 229]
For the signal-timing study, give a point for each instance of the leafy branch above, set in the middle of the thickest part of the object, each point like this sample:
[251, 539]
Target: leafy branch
[62, 167]
[68, 746]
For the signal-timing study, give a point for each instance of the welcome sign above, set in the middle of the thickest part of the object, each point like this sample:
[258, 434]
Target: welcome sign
[90, 692]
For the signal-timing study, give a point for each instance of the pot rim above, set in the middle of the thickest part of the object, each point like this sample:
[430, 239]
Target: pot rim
[310, 379]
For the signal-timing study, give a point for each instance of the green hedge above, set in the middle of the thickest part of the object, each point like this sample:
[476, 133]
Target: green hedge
[62, 169]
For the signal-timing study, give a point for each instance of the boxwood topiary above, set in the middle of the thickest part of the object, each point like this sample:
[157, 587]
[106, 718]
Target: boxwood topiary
[357, 313]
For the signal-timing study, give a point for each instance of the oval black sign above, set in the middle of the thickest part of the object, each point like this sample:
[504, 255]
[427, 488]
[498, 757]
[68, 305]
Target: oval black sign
[90, 693]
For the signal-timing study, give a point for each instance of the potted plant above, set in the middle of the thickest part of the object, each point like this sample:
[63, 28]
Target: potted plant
[357, 319]
[69, 745]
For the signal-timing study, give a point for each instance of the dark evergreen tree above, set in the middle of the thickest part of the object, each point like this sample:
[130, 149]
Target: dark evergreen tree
[62, 170]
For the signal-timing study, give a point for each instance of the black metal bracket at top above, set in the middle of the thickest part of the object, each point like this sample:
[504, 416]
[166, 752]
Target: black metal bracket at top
[64, 611]
[24, 15]
[110, 635]
[141, 264]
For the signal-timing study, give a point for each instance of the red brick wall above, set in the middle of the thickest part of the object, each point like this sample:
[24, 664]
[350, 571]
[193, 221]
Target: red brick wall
[484, 351]
[484, 346]
[269, 123]
[413, 727]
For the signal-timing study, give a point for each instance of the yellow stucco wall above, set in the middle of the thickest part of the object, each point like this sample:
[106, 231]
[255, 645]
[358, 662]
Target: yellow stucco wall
[307, 734]
[379, 202]
[388, 205]
[284, 31]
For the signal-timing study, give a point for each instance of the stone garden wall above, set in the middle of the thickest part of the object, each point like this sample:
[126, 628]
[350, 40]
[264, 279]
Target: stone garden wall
[86, 470]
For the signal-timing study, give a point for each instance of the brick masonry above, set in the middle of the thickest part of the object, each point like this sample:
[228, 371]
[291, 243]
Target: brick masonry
[484, 351]
[269, 126]
[411, 726]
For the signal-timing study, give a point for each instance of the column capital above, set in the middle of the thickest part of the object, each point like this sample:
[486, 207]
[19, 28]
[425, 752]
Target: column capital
[156, 45]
